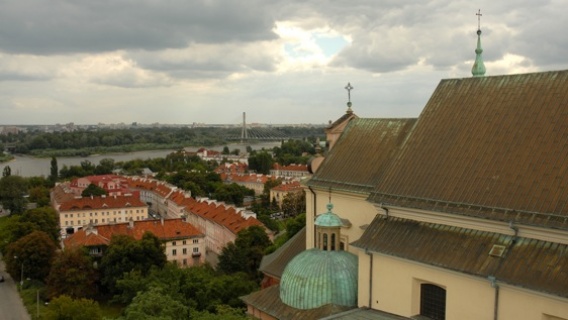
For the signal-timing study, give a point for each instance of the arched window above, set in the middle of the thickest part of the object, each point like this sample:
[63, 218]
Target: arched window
[324, 241]
[333, 242]
[432, 301]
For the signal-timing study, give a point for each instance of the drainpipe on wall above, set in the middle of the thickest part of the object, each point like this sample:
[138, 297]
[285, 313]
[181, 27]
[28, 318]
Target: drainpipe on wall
[315, 210]
[494, 284]
[370, 278]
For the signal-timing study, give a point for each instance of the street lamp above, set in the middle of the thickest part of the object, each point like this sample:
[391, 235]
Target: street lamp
[22, 273]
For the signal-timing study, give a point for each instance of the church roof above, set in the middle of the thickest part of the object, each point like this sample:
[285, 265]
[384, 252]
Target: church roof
[328, 219]
[489, 147]
[361, 154]
[315, 278]
[533, 264]
[274, 263]
[268, 301]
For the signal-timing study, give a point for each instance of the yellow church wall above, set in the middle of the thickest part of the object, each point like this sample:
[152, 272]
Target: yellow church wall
[353, 207]
[396, 289]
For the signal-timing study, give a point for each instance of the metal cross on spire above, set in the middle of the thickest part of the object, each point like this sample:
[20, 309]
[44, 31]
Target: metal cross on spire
[349, 88]
[478, 14]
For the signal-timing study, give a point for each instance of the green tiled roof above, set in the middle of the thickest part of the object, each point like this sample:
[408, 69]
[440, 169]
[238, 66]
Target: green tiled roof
[328, 219]
[315, 278]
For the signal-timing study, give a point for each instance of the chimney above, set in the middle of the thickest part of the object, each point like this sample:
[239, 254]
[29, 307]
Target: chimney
[162, 219]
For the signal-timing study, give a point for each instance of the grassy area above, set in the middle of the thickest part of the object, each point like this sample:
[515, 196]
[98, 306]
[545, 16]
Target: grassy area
[5, 157]
[30, 297]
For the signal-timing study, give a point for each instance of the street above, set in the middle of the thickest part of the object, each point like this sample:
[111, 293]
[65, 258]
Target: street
[11, 306]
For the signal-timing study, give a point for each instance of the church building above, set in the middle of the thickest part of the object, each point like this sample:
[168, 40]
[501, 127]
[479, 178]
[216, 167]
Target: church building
[459, 214]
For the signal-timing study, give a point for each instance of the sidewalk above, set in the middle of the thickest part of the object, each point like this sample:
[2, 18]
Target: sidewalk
[11, 306]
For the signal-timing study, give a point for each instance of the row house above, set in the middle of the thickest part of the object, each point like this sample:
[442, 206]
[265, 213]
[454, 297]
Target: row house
[112, 184]
[79, 212]
[252, 181]
[154, 193]
[232, 168]
[219, 222]
[279, 192]
[183, 243]
[294, 171]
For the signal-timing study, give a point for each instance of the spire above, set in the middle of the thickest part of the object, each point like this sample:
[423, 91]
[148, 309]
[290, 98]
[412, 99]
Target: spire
[478, 69]
[349, 88]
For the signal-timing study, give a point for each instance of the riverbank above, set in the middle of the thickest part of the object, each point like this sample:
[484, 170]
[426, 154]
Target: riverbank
[6, 158]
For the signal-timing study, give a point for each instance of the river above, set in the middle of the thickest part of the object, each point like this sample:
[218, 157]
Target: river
[27, 166]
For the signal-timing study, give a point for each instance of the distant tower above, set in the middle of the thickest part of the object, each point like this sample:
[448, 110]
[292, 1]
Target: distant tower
[478, 69]
[244, 134]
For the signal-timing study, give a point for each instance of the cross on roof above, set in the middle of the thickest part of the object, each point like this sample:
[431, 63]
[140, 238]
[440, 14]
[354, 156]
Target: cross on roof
[349, 88]
[478, 14]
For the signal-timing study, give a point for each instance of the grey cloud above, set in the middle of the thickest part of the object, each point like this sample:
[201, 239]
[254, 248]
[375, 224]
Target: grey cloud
[49, 27]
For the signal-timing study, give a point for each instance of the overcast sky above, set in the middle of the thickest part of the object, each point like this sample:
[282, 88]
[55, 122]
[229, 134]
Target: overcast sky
[280, 61]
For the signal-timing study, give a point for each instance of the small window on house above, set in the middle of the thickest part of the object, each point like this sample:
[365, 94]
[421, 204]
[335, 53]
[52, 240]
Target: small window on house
[184, 250]
[196, 250]
[173, 243]
[184, 242]
[432, 301]
[195, 240]
[174, 252]
[185, 262]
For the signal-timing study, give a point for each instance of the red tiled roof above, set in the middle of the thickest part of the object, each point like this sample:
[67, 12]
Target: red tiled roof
[222, 215]
[101, 202]
[292, 186]
[169, 229]
[291, 167]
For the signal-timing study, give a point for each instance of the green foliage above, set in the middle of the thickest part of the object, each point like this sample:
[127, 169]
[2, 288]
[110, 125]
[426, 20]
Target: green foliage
[260, 162]
[125, 254]
[155, 304]
[72, 274]
[294, 151]
[246, 253]
[43, 219]
[294, 203]
[65, 307]
[35, 251]
[12, 191]
[53, 170]
[222, 312]
[232, 193]
[294, 225]
[93, 190]
[199, 287]
[7, 171]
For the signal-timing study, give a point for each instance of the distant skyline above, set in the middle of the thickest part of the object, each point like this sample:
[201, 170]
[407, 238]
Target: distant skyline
[208, 61]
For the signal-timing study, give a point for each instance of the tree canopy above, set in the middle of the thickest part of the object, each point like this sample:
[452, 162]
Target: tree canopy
[12, 192]
[33, 253]
[93, 190]
[125, 254]
[72, 273]
[245, 254]
[65, 307]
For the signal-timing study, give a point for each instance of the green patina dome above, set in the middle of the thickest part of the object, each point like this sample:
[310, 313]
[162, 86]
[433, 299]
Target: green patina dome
[328, 219]
[315, 278]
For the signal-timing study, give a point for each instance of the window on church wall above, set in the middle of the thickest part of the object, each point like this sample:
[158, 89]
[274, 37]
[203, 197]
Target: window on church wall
[432, 301]
[324, 242]
[332, 242]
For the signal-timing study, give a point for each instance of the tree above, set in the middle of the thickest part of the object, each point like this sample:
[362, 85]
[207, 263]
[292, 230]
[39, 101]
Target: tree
[125, 254]
[261, 162]
[293, 204]
[246, 252]
[64, 307]
[223, 312]
[294, 225]
[32, 254]
[93, 190]
[155, 304]
[53, 175]
[225, 150]
[7, 171]
[105, 166]
[72, 274]
[44, 219]
[12, 191]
